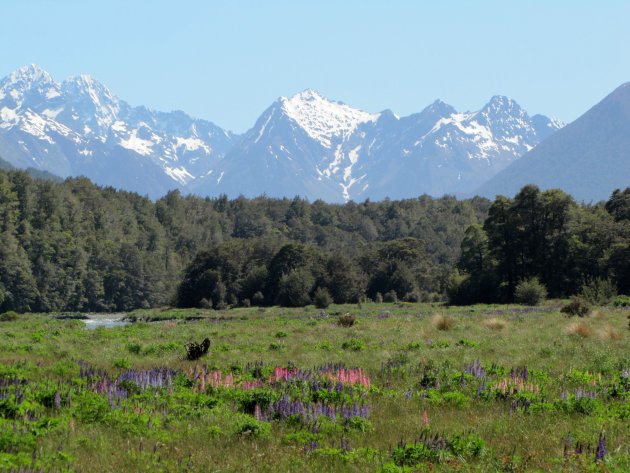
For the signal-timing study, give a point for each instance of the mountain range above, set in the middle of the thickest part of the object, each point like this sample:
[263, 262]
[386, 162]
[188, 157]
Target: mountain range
[304, 145]
[78, 127]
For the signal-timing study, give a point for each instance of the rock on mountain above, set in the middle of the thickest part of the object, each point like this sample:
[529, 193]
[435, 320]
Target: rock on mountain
[78, 127]
[589, 158]
[308, 145]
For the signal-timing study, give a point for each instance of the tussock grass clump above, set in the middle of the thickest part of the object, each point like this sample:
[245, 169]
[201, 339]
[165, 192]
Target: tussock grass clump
[494, 324]
[580, 329]
[608, 332]
[443, 322]
[598, 314]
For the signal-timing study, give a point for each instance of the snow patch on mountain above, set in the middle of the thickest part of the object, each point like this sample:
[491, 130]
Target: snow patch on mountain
[192, 144]
[323, 119]
[138, 145]
[180, 174]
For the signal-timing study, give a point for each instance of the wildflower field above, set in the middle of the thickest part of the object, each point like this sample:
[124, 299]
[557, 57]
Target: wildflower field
[392, 388]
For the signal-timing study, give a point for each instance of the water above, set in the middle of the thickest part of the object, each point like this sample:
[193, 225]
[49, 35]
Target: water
[104, 322]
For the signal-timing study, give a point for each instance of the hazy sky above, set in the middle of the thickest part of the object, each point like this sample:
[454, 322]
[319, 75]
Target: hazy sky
[227, 61]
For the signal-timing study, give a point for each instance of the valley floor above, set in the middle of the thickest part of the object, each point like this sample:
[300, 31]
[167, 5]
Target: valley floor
[406, 387]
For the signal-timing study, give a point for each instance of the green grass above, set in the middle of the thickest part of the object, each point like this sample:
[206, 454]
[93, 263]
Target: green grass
[416, 366]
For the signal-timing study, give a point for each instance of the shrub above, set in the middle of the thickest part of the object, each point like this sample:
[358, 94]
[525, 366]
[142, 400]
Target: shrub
[467, 445]
[357, 423]
[258, 298]
[411, 455]
[530, 292]
[578, 306]
[254, 428]
[325, 345]
[346, 320]
[205, 303]
[322, 298]
[598, 291]
[390, 296]
[134, 348]
[8, 316]
[442, 322]
[378, 298]
[122, 363]
[195, 351]
[413, 296]
[353, 344]
[621, 301]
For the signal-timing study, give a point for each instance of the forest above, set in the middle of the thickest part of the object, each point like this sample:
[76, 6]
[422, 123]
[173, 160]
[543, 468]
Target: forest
[75, 246]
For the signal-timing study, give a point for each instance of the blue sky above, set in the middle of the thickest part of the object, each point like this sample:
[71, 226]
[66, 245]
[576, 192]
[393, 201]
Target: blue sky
[227, 61]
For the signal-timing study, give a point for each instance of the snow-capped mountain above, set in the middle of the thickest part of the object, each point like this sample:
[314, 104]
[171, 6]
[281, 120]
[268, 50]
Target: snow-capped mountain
[78, 127]
[312, 146]
[303, 145]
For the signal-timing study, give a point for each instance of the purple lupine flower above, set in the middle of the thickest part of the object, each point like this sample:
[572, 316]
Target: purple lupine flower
[57, 401]
[475, 369]
[600, 453]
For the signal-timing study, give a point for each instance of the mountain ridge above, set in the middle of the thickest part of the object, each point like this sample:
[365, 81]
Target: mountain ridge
[303, 145]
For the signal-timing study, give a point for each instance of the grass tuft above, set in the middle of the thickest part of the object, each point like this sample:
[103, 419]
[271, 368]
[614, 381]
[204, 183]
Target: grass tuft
[608, 332]
[443, 322]
[494, 324]
[579, 329]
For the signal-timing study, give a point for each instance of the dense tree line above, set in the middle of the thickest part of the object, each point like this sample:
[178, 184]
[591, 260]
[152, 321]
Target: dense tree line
[265, 273]
[548, 236]
[74, 246]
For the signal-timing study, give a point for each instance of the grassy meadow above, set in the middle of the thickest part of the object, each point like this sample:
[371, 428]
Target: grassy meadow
[406, 387]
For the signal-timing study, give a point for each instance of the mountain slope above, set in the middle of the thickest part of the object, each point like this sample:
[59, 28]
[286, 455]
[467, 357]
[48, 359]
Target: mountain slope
[311, 146]
[78, 127]
[589, 158]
